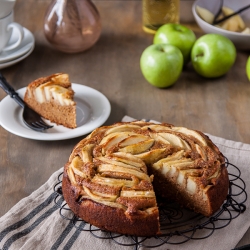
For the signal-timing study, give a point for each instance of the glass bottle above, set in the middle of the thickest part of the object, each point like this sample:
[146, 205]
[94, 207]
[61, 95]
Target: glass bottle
[155, 13]
[72, 26]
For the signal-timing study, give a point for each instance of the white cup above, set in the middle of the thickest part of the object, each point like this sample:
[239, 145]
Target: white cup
[6, 6]
[7, 26]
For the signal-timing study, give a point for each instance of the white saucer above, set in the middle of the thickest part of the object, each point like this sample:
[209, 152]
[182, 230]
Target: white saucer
[26, 44]
[26, 47]
[12, 62]
[93, 109]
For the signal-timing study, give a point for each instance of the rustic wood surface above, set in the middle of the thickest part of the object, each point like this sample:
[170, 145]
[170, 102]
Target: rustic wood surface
[216, 106]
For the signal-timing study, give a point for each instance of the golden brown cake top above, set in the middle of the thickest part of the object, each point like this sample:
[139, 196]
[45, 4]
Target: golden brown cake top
[55, 87]
[110, 165]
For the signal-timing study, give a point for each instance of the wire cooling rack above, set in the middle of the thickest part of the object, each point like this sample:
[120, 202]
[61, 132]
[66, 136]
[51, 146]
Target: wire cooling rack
[178, 225]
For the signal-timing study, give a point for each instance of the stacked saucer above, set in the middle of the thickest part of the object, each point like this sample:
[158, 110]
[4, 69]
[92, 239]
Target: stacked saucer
[8, 58]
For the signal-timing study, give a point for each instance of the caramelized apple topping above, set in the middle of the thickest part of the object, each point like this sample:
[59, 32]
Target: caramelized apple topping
[110, 166]
[56, 87]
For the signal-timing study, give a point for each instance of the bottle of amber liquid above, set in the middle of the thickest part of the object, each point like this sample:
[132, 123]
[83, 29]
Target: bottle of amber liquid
[155, 13]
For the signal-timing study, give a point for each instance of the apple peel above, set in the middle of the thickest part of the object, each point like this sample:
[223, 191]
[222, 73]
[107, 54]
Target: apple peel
[248, 68]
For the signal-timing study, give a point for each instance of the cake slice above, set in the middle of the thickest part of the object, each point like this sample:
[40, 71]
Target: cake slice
[53, 98]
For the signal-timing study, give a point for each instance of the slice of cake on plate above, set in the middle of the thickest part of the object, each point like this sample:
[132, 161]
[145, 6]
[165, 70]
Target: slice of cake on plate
[53, 98]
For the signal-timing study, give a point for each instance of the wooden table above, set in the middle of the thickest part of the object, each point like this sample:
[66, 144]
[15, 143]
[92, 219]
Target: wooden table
[216, 106]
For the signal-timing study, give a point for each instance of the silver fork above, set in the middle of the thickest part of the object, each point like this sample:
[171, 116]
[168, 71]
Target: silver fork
[32, 119]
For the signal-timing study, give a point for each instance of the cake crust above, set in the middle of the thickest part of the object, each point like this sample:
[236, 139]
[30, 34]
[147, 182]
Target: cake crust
[109, 218]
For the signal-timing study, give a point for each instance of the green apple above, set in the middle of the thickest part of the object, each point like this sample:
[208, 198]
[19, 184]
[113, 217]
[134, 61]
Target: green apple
[161, 64]
[177, 35]
[248, 68]
[213, 55]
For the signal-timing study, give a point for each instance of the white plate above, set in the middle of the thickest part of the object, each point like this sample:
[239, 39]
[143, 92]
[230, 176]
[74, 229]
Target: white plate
[25, 46]
[92, 108]
[10, 63]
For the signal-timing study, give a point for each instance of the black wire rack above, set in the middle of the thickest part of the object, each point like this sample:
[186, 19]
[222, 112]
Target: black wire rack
[178, 225]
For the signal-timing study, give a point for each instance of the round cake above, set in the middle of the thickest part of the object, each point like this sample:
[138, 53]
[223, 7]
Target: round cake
[113, 175]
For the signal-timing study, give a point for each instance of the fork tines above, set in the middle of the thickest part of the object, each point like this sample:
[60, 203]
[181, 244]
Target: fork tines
[39, 125]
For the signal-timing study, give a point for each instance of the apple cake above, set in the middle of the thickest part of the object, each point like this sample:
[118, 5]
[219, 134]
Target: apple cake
[53, 98]
[114, 174]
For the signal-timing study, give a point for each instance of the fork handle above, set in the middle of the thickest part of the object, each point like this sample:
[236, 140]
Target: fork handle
[10, 91]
